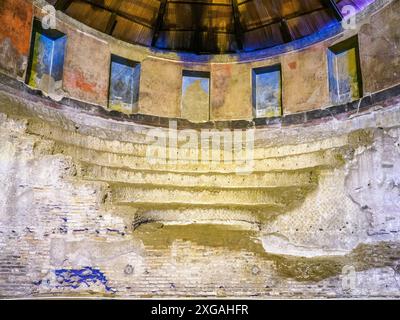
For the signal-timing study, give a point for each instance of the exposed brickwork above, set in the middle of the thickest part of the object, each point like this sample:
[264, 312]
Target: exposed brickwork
[63, 234]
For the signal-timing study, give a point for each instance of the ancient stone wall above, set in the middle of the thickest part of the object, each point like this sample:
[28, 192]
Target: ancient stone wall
[85, 211]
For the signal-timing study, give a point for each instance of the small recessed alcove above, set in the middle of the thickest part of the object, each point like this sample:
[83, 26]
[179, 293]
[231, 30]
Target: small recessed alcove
[124, 85]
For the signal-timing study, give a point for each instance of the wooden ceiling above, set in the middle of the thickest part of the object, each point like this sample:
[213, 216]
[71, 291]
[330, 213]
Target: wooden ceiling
[205, 26]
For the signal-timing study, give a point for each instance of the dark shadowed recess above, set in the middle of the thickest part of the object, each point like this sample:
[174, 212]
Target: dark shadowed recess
[209, 26]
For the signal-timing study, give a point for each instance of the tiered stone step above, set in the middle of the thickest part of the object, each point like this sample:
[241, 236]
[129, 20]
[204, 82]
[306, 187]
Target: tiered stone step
[189, 190]
[114, 175]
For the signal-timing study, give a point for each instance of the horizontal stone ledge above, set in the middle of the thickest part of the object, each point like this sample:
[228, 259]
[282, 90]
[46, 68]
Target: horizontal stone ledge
[140, 150]
[328, 158]
[241, 219]
[220, 180]
[17, 88]
[260, 208]
[179, 187]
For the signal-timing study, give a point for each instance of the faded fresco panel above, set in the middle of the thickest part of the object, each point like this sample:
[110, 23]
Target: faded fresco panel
[196, 96]
[15, 33]
[124, 85]
[344, 73]
[88, 82]
[267, 92]
[47, 61]
[231, 88]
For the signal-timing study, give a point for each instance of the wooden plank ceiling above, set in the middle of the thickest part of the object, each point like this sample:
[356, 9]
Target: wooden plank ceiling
[205, 26]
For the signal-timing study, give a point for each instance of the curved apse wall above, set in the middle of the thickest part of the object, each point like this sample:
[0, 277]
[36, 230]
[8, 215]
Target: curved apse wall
[85, 211]
[305, 78]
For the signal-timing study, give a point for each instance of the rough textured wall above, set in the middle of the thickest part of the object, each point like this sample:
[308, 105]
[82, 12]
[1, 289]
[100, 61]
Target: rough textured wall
[304, 72]
[15, 34]
[195, 100]
[82, 80]
[374, 182]
[84, 213]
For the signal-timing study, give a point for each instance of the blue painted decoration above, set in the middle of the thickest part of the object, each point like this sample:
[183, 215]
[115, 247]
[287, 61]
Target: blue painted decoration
[267, 92]
[124, 85]
[47, 64]
[75, 278]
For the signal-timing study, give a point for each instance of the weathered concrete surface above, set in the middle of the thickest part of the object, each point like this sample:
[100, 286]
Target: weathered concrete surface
[374, 180]
[379, 49]
[83, 211]
[65, 231]
[15, 34]
[327, 223]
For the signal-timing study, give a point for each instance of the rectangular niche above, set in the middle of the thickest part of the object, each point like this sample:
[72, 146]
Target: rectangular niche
[124, 85]
[195, 96]
[46, 63]
[267, 91]
[344, 72]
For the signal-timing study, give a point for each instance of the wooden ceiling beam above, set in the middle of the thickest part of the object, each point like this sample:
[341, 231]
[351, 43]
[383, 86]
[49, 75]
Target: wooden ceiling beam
[238, 26]
[285, 31]
[159, 22]
[113, 19]
[119, 13]
[212, 4]
[244, 2]
[111, 24]
[279, 19]
[201, 30]
[331, 4]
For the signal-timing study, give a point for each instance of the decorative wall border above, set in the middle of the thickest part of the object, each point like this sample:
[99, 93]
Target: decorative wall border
[382, 98]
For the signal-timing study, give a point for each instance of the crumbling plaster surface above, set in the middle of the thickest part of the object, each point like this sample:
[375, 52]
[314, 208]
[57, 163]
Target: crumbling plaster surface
[374, 182]
[62, 233]
[327, 223]
[365, 210]
[82, 212]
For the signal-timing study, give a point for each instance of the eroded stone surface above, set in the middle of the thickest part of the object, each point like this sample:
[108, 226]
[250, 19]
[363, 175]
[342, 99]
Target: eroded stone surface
[65, 232]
